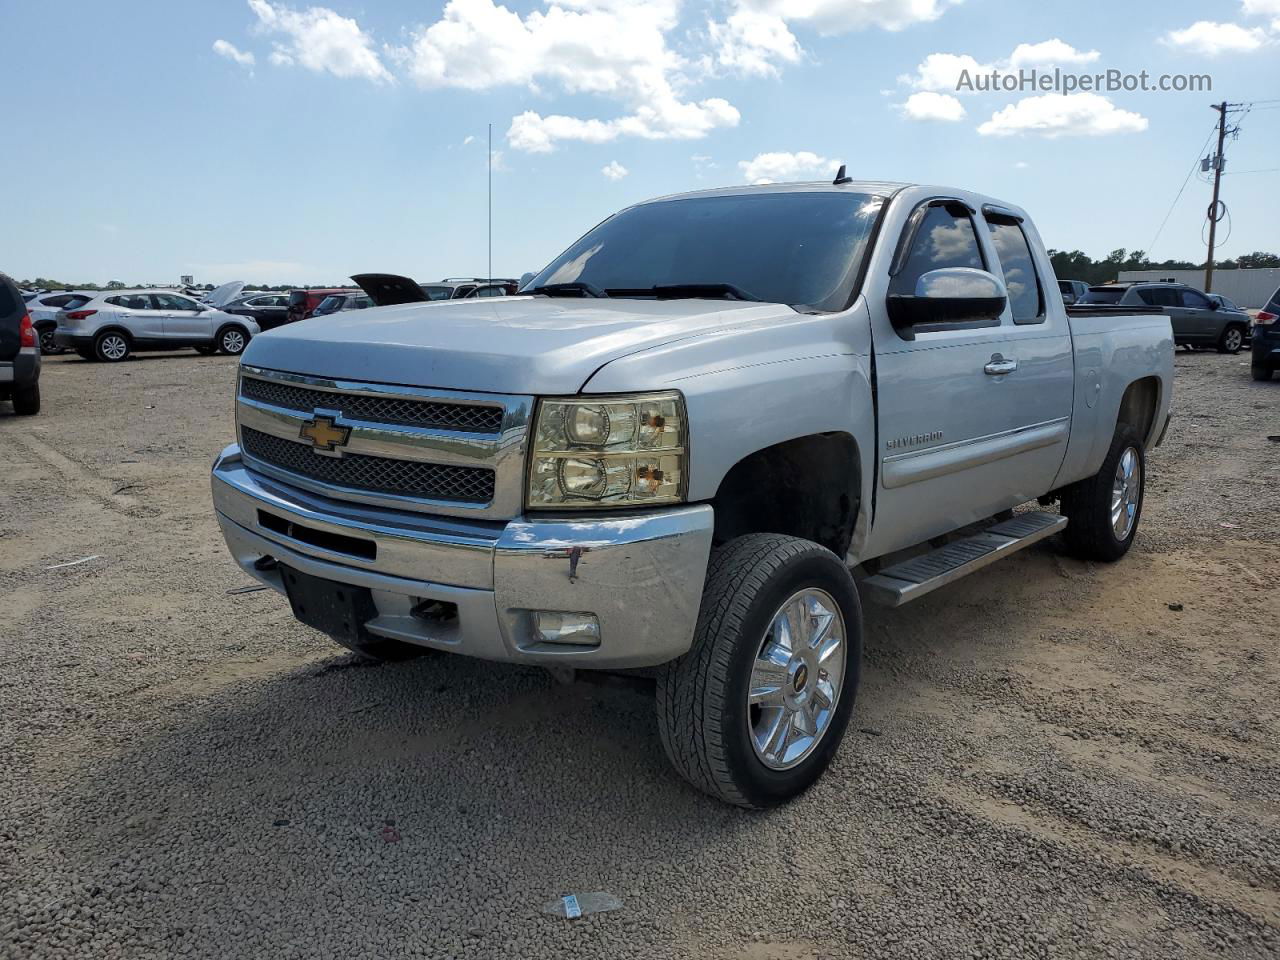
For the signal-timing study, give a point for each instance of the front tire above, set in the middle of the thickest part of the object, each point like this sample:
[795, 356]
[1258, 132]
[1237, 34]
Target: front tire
[754, 712]
[1232, 339]
[26, 400]
[1103, 511]
[47, 345]
[111, 346]
[232, 340]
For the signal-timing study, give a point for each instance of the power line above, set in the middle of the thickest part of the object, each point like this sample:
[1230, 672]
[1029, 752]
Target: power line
[1236, 173]
[1195, 163]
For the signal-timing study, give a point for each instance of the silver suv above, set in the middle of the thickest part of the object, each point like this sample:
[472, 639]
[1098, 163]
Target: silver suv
[115, 323]
[1197, 320]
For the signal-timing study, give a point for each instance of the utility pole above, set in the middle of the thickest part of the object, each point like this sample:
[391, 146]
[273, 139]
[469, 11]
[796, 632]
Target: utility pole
[490, 275]
[1217, 182]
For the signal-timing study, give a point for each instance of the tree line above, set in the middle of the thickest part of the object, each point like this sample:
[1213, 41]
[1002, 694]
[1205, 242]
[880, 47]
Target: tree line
[1078, 265]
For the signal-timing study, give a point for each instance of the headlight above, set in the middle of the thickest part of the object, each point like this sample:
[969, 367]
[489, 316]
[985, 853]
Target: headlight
[608, 452]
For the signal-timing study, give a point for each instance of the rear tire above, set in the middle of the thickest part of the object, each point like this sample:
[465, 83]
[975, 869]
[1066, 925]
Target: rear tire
[232, 340]
[1260, 373]
[754, 712]
[1232, 339]
[1103, 511]
[26, 400]
[112, 346]
[47, 345]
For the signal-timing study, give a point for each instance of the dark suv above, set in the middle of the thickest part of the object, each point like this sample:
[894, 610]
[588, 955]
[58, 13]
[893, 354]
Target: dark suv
[19, 351]
[1266, 340]
[1197, 321]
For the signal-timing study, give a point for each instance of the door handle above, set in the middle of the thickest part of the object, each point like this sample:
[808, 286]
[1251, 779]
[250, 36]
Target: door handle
[998, 365]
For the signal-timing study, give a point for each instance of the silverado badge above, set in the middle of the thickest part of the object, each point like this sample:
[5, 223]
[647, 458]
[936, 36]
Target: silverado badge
[324, 434]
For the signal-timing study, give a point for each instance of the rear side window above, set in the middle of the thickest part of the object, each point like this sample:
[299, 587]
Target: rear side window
[132, 301]
[1159, 297]
[1026, 300]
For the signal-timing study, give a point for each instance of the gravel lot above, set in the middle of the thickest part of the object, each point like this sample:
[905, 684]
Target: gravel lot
[1047, 759]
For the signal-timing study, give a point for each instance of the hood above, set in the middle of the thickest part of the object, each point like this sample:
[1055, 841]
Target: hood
[519, 345]
[221, 296]
[388, 289]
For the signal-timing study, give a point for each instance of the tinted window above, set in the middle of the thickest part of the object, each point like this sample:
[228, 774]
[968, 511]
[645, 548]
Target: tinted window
[77, 301]
[59, 300]
[1273, 305]
[297, 298]
[1014, 254]
[494, 291]
[167, 301]
[1195, 300]
[437, 293]
[945, 238]
[803, 249]
[1160, 296]
[131, 301]
[1102, 295]
[329, 305]
[1227, 304]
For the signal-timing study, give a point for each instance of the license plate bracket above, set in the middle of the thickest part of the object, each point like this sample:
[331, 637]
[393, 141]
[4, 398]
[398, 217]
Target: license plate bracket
[338, 609]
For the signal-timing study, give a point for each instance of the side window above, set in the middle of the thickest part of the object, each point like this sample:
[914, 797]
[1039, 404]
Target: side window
[116, 301]
[944, 238]
[1148, 296]
[1195, 300]
[1026, 300]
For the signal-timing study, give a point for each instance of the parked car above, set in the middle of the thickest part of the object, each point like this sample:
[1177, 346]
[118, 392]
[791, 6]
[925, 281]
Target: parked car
[389, 288]
[44, 308]
[270, 310]
[115, 323]
[337, 302]
[461, 288]
[1072, 290]
[670, 454]
[19, 352]
[303, 303]
[1197, 321]
[1266, 340]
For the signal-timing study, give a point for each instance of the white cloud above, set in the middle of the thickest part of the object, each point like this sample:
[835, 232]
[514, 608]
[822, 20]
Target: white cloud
[614, 170]
[754, 43]
[941, 71]
[1048, 53]
[320, 40]
[1021, 165]
[1261, 8]
[467, 139]
[770, 167]
[229, 50]
[928, 105]
[1057, 115]
[612, 48]
[756, 38]
[1210, 39]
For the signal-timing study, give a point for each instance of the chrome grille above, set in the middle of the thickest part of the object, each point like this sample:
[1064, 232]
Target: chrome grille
[387, 409]
[412, 478]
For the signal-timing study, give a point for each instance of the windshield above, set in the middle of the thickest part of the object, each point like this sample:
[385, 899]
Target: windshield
[329, 305]
[802, 249]
[1102, 295]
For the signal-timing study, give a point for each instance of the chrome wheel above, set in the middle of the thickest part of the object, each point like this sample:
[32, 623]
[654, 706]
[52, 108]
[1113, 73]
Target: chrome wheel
[1126, 488]
[233, 341]
[1232, 340]
[114, 347]
[796, 679]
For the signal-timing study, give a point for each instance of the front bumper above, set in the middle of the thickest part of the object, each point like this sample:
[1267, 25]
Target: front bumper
[641, 575]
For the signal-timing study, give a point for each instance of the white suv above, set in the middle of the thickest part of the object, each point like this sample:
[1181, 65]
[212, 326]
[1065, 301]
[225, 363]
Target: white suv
[117, 322]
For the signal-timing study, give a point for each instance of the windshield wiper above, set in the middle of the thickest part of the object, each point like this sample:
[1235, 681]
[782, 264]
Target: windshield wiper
[575, 289]
[686, 291]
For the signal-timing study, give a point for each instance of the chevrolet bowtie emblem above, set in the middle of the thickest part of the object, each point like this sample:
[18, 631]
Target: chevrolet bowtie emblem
[324, 434]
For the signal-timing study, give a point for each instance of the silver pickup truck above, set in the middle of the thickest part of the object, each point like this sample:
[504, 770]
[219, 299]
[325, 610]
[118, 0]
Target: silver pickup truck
[691, 445]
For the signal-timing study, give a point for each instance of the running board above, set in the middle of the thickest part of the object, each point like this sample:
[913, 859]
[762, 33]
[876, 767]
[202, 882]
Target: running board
[906, 581]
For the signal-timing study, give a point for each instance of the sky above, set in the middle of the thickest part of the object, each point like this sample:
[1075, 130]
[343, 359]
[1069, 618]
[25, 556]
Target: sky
[284, 143]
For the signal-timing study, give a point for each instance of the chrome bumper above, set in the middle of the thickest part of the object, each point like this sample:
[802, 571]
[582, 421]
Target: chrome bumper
[641, 575]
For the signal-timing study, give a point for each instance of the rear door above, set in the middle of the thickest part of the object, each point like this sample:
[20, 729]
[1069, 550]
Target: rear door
[140, 315]
[973, 418]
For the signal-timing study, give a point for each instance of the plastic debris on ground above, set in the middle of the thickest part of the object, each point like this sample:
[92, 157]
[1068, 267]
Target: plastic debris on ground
[576, 905]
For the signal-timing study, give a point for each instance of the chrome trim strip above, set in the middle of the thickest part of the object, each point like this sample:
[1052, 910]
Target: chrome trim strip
[917, 465]
[503, 452]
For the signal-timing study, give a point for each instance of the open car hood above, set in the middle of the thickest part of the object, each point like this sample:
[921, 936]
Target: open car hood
[221, 296]
[388, 289]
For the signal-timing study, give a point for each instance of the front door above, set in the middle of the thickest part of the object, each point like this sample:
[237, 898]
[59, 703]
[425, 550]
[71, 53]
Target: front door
[1200, 315]
[973, 419]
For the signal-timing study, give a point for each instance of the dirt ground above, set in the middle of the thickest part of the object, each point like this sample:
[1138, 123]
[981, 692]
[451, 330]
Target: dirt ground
[1048, 758]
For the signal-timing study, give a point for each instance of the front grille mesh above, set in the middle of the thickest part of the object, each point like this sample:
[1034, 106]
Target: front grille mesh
[354, 406]
[359, 471]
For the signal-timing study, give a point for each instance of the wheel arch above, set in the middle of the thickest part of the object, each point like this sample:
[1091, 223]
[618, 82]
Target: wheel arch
[1138, 408]
[758, 494]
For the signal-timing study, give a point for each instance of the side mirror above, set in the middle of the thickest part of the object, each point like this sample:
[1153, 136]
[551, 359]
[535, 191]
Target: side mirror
[949, 295]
